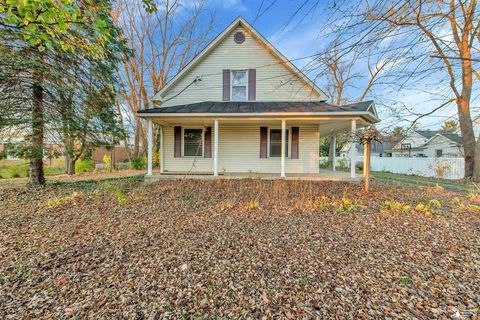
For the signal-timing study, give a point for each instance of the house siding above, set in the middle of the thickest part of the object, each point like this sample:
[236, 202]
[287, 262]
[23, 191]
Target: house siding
[239, 151]
[449, 149]
[274, 81]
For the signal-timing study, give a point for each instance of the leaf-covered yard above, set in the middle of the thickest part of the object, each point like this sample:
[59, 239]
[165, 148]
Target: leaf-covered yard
[230, 249]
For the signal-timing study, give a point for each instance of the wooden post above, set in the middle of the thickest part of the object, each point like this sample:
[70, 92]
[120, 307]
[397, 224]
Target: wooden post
[366, 164]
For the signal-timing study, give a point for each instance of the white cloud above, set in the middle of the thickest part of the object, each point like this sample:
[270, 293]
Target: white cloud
[236, 5]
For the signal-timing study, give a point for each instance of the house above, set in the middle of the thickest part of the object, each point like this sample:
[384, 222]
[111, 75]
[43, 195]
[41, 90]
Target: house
[444, 145]
[240, 106]
[378, 149]
[428, 143]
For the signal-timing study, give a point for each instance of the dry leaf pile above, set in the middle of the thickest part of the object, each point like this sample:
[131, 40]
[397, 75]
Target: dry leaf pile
[239, 249]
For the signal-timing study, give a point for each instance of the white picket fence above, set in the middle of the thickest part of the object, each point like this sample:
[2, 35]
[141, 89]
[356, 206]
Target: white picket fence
[445, 168]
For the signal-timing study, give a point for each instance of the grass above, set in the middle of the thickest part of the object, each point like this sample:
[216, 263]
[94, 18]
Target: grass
[12, 169]
[410, 180]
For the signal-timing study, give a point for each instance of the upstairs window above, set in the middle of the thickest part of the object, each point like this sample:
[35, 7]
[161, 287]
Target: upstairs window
[276, 142]
[192, 142]
[439, 153]
[239, 85]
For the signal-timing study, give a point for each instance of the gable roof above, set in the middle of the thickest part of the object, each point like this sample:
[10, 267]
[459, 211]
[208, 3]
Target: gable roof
[450, 136]
[426, 133]
[240, 21]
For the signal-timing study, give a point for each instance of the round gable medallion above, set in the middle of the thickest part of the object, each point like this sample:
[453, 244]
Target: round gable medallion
[239, 37]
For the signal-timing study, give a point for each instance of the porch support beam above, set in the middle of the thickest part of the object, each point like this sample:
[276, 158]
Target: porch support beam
[150, 147]
[282, 155]
[215, 148]
[353, 149]
[334, 147]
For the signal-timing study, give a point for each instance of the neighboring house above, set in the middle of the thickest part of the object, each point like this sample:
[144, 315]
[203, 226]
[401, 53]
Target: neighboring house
[240, 106]
[379, 149]
[427, 143]
[444, 145]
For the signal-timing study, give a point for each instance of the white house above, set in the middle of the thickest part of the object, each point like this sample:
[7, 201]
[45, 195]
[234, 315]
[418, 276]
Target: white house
[431, 144]
[378, 149]
[240, 106]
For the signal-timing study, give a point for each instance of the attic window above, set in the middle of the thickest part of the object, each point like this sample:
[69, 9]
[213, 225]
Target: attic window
[239, 37]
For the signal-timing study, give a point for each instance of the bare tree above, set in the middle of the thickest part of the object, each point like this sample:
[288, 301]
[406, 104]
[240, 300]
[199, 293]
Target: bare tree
[449, 31]
[164, 37]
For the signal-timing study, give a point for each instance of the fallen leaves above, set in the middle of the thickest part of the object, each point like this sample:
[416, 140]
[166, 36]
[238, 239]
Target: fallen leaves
[238, 249]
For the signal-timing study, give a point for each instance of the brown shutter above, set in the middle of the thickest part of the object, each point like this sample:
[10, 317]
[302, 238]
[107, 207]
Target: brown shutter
[263, 142]
[295, 138]
[208, 142]
[177, 146]
[226, 84]
[252, 84]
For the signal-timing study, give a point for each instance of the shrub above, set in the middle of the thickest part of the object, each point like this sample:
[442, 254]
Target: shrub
[138, 163]
[325, 164]
[394, 206]
[156, 159]
[107, 162]
[84, 166]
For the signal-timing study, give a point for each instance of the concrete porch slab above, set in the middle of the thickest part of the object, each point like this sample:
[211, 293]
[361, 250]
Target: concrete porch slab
[323, 175]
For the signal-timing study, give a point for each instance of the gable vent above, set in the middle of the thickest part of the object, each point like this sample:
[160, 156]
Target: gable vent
[239, 37]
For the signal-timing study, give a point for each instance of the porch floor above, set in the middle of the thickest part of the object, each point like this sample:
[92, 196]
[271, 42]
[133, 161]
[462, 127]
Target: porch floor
[323, 175]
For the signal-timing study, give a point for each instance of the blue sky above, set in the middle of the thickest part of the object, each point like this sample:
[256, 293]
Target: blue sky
[290, 39]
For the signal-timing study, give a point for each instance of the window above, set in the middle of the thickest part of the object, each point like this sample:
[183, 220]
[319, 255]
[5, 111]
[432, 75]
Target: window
[193, 142]
[439, 153]
[239, 85]
[276, 142]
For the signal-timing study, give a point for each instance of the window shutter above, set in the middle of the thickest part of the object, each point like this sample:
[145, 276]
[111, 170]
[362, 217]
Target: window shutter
[295, 143]
[177, 146]
[252, 84]
[208, 142]
[226, 84]
[263, 142]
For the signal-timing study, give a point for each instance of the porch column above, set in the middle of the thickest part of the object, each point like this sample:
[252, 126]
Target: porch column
[162, 163]
[334, 147]
[215, 148]
[150, 147]
[282, 154]
[353, 150]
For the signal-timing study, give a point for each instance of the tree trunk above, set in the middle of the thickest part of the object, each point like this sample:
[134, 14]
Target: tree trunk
[69, 164]
[36, 176]
[466, 129]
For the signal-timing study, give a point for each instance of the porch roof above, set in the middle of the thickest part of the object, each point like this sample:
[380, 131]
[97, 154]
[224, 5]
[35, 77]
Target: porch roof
[264, 108]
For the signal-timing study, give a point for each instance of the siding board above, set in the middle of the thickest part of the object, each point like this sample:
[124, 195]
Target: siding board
[238, 151]
[274, 81]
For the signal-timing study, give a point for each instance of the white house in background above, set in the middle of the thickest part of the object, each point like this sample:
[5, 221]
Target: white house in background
[431, 144]
[444, 145]
[240, 106]
[379, 149]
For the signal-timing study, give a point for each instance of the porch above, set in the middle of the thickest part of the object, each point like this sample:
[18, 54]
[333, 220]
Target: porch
[323, 175]
[254, 139]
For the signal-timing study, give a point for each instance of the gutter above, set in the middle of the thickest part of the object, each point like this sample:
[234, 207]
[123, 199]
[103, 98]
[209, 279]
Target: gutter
[259, 114]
